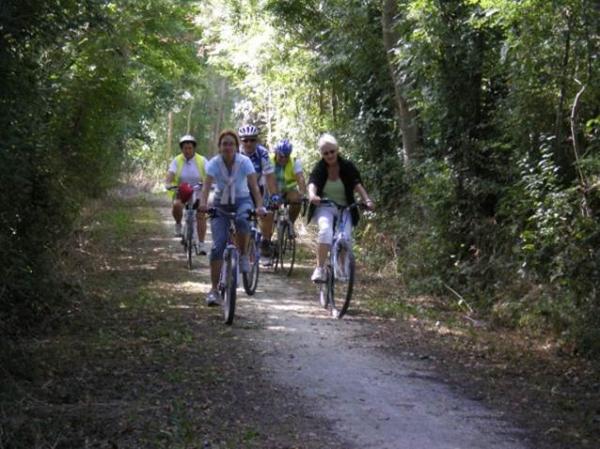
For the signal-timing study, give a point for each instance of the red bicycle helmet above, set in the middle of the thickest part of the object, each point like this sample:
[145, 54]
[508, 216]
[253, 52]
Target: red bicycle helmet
[185, 192]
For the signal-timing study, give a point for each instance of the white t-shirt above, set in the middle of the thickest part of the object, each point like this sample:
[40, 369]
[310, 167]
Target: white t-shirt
[213, 168]
[189, 172]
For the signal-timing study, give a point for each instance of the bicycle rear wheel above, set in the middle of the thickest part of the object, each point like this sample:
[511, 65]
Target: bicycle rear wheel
[250, 279]
[287, 255]
[342, 279]
[229, 285]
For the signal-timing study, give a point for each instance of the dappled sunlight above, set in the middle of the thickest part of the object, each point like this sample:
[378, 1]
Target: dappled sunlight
[281, 329]
[161, 239]
[144, 221]
[179, 306]
[185, 287]
[444, 330]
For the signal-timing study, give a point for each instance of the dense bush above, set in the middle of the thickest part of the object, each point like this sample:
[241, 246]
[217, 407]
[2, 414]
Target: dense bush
[79, 79]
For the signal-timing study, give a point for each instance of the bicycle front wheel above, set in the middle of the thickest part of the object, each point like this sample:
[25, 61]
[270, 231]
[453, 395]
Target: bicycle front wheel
[342, 279]
[277, 249]
[250, 279]
[229, 285]
[189, 244]
[287, 255]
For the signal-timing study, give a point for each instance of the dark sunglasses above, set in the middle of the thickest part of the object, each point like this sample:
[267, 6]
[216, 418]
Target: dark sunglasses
[249, 140]
[327, 153]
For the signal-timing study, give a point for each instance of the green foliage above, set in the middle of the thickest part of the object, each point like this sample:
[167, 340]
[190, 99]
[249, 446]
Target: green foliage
[501, 203]
[79, 80]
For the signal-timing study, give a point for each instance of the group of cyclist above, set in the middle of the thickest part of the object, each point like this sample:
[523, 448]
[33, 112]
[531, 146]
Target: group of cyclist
[245, 176]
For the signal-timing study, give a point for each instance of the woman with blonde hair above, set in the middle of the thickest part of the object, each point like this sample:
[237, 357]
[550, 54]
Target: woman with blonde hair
[336, 179]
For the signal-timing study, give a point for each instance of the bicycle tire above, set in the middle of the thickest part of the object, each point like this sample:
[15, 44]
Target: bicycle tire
[325, 289]
[277, 250]
[288, 250]
[341, 292]
[189, 245]
[250, 279]
[228, 291]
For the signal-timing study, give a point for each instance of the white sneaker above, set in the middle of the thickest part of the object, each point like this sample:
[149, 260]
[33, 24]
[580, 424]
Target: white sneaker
[178, 232]
[319, 275]
[213, 298]
[201, 248]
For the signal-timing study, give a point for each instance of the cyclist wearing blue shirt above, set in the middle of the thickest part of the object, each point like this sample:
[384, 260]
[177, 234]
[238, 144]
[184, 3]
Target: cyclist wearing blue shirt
[234, 177]
[265, 171]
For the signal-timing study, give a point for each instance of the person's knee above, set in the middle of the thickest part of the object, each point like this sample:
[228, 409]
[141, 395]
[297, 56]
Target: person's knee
[325, 235]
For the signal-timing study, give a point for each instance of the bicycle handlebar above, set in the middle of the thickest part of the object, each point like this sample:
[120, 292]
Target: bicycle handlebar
[212, 212]
[197, 186]
[328, 202]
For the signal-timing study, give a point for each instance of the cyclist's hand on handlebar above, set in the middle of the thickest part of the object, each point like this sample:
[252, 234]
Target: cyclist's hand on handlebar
[316, 199]
[261, 211]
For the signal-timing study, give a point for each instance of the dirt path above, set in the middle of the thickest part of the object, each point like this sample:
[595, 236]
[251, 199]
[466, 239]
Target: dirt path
[369, 398]
[138, 361]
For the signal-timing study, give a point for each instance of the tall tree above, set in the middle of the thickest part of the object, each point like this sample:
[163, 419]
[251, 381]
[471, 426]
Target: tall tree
[406, 115]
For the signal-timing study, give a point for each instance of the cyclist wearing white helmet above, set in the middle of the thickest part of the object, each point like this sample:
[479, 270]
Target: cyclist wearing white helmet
[187, 167]
[265, 172]
[289, 176]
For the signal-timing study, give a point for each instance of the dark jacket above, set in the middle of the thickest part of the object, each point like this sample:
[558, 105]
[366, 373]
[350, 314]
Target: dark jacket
[350, 178]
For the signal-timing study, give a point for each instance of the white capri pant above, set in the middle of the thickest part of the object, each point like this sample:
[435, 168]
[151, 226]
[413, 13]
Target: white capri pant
[324, 216]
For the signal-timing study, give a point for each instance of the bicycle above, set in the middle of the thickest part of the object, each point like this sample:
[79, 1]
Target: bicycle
[229, 275]
[340, 266]
[190, 226]
[250, 279]
[284, 248]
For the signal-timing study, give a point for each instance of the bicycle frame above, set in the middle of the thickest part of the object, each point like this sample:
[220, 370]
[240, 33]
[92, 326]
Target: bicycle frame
[229, 275]
[333, 269]
[231, 247]
[190, 224]
[285, 245]
[250, 279]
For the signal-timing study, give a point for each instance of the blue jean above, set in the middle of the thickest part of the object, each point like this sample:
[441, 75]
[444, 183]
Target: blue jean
[219, 225]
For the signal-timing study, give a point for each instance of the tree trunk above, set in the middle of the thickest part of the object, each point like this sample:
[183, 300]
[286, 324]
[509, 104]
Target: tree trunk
[220, 117]
[561, 156]
[189, 117]
[169, 136]
[406, 116]
[583, 183]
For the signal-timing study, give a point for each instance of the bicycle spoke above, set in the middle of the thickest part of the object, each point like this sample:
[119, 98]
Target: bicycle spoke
[250, 279]
[229, 287]
[343, 279]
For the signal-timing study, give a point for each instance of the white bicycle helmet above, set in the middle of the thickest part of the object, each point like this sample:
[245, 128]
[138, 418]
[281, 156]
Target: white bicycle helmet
[187, 138]
[248, 131]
